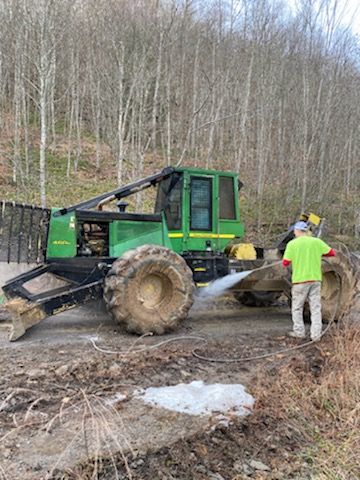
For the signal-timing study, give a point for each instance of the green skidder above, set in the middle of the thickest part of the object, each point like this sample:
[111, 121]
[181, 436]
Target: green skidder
[146, 266]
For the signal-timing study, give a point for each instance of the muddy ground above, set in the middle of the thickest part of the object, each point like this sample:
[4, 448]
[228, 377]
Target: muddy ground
[66, 408]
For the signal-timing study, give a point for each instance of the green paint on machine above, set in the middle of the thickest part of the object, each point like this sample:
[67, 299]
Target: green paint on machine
[62, 236]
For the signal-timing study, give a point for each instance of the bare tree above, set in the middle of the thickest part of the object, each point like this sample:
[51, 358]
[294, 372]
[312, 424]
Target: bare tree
[245, 85]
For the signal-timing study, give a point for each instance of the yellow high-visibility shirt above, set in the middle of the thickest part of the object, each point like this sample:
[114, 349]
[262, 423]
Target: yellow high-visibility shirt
[305, 254]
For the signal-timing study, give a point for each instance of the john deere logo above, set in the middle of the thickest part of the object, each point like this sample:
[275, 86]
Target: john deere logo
[61, 242]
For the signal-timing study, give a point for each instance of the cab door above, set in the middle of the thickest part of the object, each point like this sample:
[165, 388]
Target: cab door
[202, 215]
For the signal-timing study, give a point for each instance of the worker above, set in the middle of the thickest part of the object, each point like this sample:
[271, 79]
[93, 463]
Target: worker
[304, 254]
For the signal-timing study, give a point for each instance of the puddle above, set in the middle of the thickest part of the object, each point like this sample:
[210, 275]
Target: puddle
[197, 398]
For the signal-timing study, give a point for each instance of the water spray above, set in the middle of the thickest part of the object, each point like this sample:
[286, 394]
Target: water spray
[219, 286]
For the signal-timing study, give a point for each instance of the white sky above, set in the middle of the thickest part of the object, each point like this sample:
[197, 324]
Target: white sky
[352, 15]
[348, 11]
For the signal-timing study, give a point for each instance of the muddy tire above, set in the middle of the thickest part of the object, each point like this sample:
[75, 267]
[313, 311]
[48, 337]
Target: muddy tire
[338, 284]
[149, 289]
[352, 314]
[257, 299]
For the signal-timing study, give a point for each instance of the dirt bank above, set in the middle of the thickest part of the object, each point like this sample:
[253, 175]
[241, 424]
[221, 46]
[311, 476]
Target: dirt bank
[56, 372]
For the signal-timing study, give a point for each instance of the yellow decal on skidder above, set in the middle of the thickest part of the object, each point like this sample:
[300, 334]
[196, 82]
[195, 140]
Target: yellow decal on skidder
[203, 235]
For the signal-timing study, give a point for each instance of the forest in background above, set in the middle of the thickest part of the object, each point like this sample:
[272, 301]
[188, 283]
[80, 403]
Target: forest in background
[95, 93]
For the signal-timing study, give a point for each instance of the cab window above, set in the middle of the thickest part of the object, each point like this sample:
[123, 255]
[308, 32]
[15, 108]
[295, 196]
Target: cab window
[169, 200]
[200, 203]
[227, 198]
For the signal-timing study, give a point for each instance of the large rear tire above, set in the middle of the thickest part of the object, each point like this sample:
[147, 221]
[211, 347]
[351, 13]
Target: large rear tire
[149, 289]
[338, 283]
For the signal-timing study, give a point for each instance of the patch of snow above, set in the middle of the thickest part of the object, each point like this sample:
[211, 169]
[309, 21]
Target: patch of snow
[196, 398]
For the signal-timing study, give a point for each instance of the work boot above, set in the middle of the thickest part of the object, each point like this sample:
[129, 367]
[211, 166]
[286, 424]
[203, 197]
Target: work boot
[295, 335]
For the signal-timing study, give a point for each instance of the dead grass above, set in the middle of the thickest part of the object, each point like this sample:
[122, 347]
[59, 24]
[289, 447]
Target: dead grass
[320, 398]
[93, 423]
[89, 422]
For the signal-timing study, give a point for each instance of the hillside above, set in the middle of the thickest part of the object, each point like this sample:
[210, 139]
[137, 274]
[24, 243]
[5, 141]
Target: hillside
[87, 181]
[115, 89]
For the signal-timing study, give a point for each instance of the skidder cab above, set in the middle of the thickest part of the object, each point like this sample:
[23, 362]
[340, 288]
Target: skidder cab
[145, 266]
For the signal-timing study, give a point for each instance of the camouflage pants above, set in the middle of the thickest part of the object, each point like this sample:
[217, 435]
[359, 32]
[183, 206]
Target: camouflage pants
[311, 292]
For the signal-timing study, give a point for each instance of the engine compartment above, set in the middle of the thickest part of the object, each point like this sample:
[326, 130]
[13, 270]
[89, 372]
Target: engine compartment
[93, 239]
